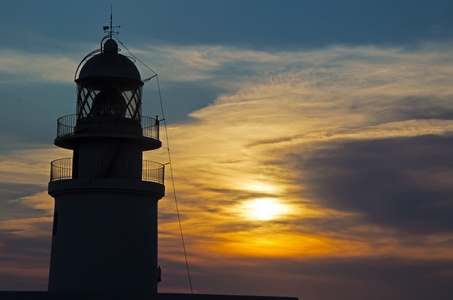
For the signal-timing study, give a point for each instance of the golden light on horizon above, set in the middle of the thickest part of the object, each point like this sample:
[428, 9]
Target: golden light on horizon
[271, 242]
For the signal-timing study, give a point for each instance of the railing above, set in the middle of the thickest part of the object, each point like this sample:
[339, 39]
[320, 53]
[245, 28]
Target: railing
[153, 171]
[62, 169]
[66, 125]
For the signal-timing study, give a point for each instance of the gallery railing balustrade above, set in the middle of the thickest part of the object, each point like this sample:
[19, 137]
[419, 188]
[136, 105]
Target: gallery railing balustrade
[67, 125]
[151, 171]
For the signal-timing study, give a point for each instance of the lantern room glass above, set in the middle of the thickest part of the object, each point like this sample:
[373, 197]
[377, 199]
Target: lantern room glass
[112, 97]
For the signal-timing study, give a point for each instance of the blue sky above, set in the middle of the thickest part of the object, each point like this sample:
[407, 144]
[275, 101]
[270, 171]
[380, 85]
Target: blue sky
[256, 24]
[335, 114]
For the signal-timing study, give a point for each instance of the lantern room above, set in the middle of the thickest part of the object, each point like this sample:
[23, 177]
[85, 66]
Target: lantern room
[109, 85]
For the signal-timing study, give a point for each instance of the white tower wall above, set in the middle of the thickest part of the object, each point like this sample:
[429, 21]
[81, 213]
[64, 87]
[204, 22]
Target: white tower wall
[105, 236]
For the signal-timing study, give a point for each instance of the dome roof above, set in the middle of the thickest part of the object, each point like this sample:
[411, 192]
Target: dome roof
[109, 64]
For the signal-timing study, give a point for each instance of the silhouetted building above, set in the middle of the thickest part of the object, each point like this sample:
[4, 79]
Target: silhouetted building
[105, 224]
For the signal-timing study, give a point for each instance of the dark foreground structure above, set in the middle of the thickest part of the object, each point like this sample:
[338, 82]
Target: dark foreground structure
[129, 296]
[104, 239]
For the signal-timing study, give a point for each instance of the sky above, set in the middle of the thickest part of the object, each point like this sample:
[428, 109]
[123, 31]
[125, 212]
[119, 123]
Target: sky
[311, 141]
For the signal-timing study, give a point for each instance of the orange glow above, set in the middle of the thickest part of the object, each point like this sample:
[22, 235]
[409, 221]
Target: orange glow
[271, 245]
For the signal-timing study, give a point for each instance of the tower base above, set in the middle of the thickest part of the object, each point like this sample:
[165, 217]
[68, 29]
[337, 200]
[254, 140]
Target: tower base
[104, 236]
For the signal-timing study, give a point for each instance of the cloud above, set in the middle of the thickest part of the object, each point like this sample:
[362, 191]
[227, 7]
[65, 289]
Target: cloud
[386, 277]
[324, 278]
[24, 258]
[403, 183]
[23, 66]
[40, 201]
[25, 219]
[23, 201]
[29, 166]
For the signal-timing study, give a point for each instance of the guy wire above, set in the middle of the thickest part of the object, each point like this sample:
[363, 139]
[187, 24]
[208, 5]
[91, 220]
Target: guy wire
[173, 185]
[169, 158]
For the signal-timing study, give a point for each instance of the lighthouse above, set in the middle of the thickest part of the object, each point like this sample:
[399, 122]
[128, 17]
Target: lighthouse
[104, 237]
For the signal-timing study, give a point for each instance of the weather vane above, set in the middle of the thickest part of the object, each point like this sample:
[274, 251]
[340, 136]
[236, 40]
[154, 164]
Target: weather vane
[109, 29]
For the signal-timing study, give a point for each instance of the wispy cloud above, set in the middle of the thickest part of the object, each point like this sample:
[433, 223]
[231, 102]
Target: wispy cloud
[29, 166]
[30, 67]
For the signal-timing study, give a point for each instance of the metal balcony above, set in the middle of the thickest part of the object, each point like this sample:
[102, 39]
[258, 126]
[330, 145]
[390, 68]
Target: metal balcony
[66, 126]
[62, 169]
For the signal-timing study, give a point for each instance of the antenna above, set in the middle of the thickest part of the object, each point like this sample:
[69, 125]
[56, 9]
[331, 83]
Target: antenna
[109, 29]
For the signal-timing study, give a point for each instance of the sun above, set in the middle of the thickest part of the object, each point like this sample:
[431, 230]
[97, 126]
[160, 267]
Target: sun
[263, 209]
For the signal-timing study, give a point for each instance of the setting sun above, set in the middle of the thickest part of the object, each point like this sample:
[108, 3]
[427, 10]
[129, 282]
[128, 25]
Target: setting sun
[263, 209]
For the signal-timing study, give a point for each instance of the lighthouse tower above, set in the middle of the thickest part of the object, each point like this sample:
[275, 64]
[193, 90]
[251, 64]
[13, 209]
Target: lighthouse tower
[104, 236]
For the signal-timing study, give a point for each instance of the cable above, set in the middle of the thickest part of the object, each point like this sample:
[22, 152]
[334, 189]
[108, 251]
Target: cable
[135, 57]
[169, 157]
[173, 184]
